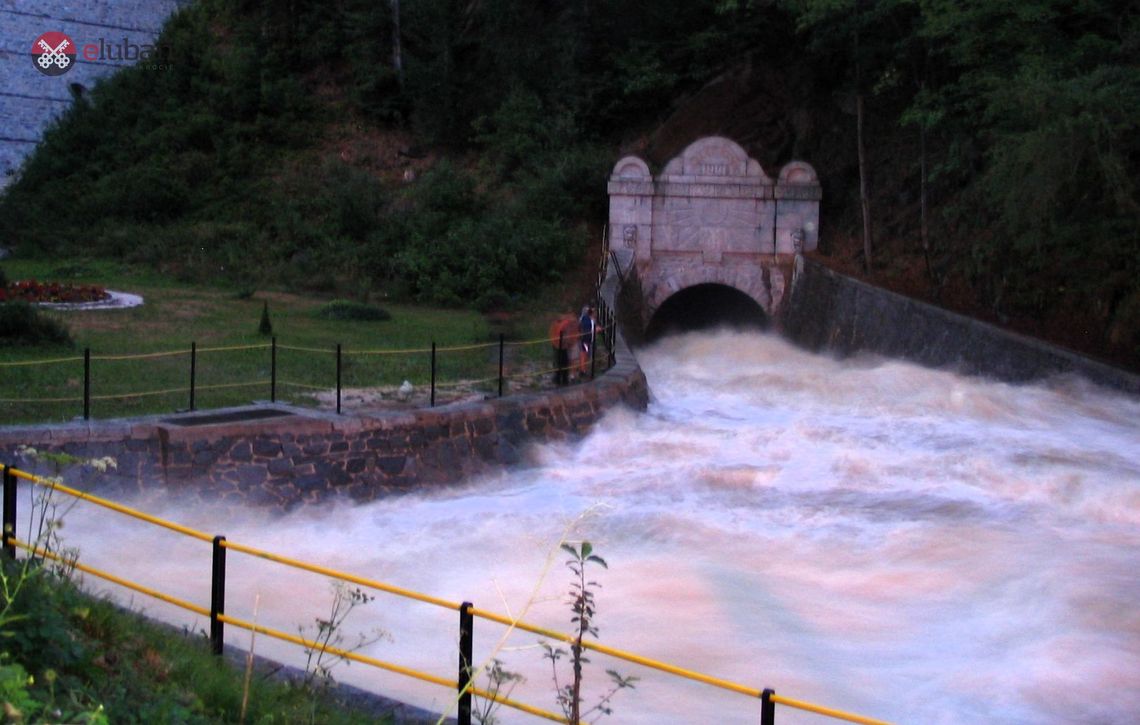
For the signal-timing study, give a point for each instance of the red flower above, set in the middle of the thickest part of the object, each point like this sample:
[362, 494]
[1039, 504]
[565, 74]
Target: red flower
[32, 291]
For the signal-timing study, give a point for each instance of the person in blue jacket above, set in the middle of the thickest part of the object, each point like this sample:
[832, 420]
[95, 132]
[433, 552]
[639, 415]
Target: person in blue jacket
[587, 334]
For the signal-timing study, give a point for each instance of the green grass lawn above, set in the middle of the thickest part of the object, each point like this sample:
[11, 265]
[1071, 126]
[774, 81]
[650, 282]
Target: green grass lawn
[234, 363]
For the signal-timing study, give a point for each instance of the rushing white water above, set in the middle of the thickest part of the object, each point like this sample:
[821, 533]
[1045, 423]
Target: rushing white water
[868, 535]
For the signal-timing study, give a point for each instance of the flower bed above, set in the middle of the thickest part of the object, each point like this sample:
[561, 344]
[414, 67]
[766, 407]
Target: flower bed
[31, 291]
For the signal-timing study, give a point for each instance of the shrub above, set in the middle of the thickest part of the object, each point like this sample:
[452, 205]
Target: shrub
[351, 310]
[22, 323]
[265, 326]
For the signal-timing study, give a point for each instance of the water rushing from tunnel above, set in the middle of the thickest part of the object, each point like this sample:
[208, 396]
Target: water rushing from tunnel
[866, 534]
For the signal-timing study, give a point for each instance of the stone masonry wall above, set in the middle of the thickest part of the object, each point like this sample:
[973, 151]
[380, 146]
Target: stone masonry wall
[312, 457]
[830, 312]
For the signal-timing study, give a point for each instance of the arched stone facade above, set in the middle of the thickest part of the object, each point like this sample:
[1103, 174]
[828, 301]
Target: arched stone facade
[712, 216]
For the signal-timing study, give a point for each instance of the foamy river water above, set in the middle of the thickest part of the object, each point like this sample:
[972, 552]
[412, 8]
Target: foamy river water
[868, 535]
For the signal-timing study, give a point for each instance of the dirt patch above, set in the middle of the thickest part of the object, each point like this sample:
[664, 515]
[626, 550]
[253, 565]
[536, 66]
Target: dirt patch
[528, 378]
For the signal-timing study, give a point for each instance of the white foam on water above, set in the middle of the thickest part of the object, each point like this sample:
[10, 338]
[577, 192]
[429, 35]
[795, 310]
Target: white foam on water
[868, 535]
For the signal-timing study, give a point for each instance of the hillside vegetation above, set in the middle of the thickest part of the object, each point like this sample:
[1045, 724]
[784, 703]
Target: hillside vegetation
[455, 151]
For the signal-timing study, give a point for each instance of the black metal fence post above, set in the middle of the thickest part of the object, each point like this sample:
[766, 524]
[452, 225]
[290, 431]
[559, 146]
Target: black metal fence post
[611, 336]
[768, 708]
[273, 370]
[502, 340]
[561, 360]
[193, 370]
[338, 368]
[593, 351]
[86, 383]
[9, 512]
[466, 640]
[432, 374]
[217, 595]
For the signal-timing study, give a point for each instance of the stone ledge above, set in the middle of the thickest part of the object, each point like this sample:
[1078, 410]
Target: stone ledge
[309, 457]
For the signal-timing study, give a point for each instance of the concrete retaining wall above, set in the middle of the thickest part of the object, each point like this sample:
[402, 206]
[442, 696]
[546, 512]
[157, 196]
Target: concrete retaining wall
[833, 313]
[305, 456]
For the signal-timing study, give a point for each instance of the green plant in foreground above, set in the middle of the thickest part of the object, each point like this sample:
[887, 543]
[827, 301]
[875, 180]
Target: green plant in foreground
[35, 628]
[47, 512]
[329, 634]
[584, 608]
[500, 683]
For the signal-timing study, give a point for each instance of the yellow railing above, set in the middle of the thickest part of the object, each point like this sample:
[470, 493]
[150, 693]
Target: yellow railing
[465, 687]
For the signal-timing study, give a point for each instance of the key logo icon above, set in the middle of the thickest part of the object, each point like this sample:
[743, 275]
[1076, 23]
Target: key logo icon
[53, 53]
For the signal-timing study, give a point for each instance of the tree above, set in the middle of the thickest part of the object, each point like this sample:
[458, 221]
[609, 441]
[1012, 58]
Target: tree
[1043, 96]
[864, 37]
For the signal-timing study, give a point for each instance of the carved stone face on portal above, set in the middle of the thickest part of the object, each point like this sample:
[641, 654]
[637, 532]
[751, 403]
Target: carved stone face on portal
[629, 236]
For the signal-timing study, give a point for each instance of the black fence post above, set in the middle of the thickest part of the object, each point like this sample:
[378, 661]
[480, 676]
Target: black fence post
[466, 640]
[502, 339]
[217, 595]
[338, 368]
[193, 370]
[561, 360]
[767, 708]
[273, 370]
[593, 351]
[432, 374]
[611, 335]
[9, 512]
[86, 383]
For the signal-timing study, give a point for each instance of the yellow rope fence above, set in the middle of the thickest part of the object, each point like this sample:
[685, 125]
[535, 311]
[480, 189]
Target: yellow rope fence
[456, 379]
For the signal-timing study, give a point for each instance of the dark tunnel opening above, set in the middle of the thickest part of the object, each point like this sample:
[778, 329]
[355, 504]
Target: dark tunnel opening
[705, 306]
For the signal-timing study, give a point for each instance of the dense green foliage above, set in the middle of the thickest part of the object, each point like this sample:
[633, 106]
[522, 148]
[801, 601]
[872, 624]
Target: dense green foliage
[1037, 103]
[69, 657]
[227, 165]
[1026, 113]
[218, 167]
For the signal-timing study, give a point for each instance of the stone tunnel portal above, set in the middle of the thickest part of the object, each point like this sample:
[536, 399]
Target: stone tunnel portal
[705, 306]
[712, 222]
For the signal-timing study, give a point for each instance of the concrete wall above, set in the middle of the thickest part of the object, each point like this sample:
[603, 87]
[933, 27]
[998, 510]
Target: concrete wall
[837, 314]
[310, 457]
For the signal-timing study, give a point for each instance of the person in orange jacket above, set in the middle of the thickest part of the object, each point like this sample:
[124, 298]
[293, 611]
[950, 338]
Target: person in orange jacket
[564, 340]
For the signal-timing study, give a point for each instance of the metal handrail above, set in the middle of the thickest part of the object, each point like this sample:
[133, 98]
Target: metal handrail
[218, 617]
